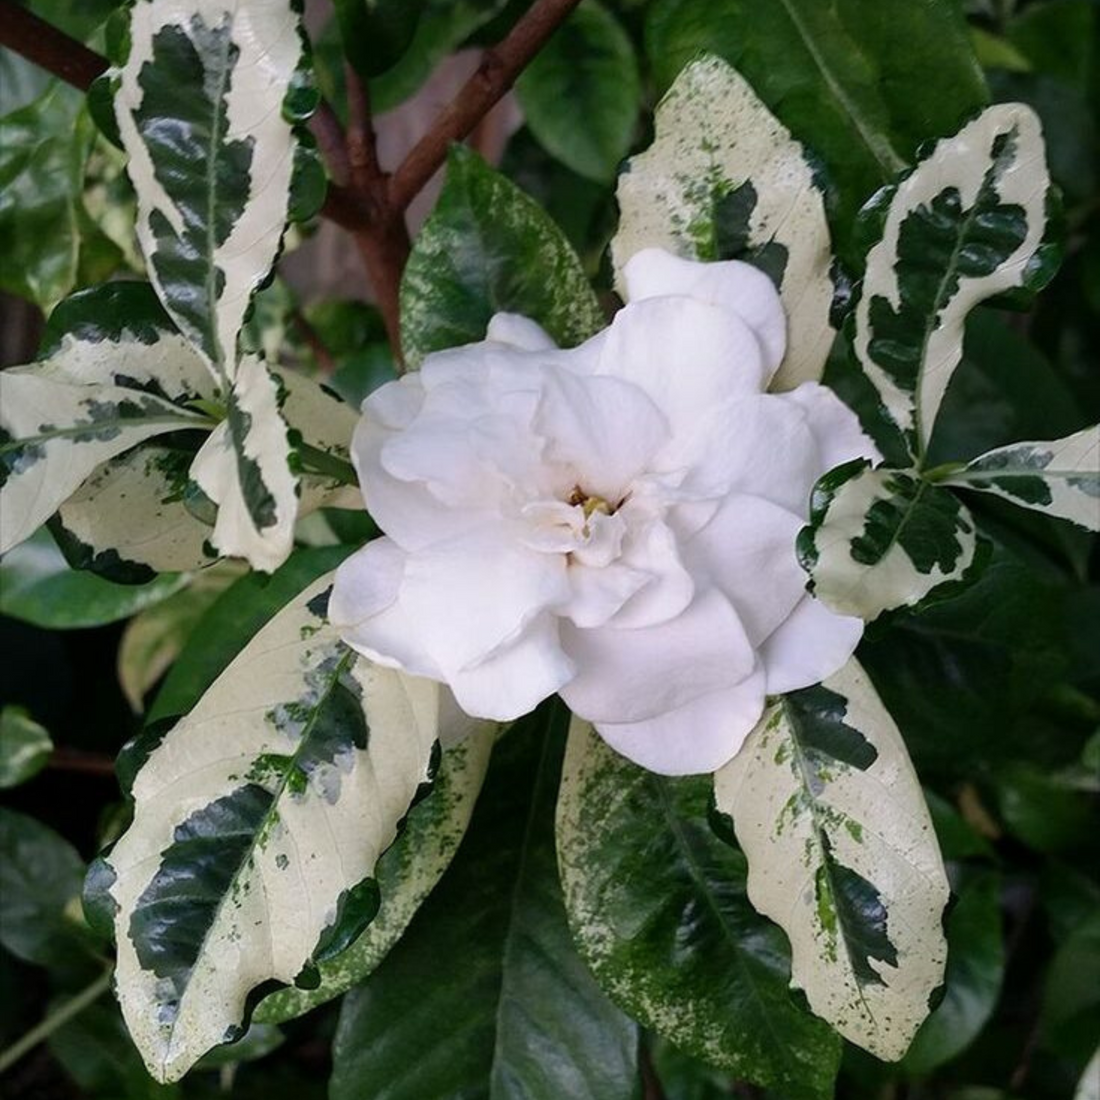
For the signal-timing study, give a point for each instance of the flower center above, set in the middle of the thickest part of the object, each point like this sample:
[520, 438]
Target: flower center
[591, 504]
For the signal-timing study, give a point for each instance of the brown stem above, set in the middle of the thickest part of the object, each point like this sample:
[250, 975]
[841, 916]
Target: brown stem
[49, 48]
[76, 760]
[320, 351]
[330, 137]
[495, 75]
[382, 240]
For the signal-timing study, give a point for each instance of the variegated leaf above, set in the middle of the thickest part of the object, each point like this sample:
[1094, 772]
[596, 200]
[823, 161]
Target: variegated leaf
[258, 821]
[112, 377]
[245, 470]
[134, 515]
[1060, 477]
[966, 224]
[843, 857]
[408, 872]
[880, 539]
[724, 180]
[199, 104]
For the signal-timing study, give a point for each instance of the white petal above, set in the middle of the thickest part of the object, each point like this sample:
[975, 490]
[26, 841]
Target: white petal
[468, 598]
[747, 551]
[761, 445]
[516, 678]
[604, 431]
[730, 284]
[698, 737]
[406, 511]
[629, 675]
[835, 427]
[518, 331]
[597, 593]
[651, 549]
[688, 356]
[366, 583]
[811, 645]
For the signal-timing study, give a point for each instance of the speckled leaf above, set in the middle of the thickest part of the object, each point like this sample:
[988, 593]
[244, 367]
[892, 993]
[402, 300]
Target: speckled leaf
[102, 387]
[204, 103]
[880, 539]
[485, 996]
[258, 821]
[658, 908]
[406, 874]
[1060, 477]
[843, 857]
[488, 247]
[725, 180]
[966, 224]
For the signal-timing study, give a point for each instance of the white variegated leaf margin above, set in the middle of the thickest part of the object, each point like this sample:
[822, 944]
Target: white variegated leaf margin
[713, 134]
[89, 402]
[410, 870]
[318, 841]
[846, 580]
[798, 815]
[245, 469]
[1059, 477]
[268, 38]
[960, 162]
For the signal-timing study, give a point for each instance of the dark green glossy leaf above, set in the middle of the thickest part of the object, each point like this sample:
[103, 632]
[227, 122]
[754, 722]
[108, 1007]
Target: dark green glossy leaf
[1049, 810]
[40, 881]
[975, 968]
[1071, 998]
[232, 621]
[488, 968]
[862, 87]
[25, 747]
[43, 149]
[658, 906]
[582, 93]
[959, 677]
[487, 248]
[37, 586]
[376, 33]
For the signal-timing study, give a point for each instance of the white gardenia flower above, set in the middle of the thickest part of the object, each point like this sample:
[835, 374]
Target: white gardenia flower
[615, 522]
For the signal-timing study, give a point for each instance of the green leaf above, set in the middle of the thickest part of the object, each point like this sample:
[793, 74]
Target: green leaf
[153, 639]
[658, 907]
[40, 877]
[881, 539]
[376, 33]
[488, 965]
[1070, 1018]
[724, 180]
[199, 104]
[25, 747]
[843, 857]
[975, 970]
[1050, 810]
[37, 586]
[43, 149]
[286, 782]
[862, 88]
[1058, 39]
[236, 616]
[1059, 477]
[968, 223]
[586, 71]
[406, 874]
[488, 248]
[960, 676]
[105, 384]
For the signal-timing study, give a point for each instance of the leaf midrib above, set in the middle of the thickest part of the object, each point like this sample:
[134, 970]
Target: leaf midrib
[107, 425]
[346, 659]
